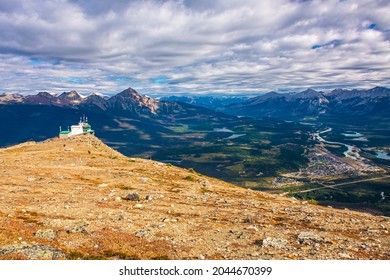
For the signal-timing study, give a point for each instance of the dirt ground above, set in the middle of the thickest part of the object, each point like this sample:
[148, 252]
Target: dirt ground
[77, 198]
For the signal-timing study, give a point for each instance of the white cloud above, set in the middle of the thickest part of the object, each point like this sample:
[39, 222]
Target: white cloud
[197, 46]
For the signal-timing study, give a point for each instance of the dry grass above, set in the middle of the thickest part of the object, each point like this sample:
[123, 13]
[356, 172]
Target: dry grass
[74, 186]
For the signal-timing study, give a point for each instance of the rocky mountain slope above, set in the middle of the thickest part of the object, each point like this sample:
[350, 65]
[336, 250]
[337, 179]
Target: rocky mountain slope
[128, 102]
[217, 102]
[79, 199]
[126, 115]
[294, 105]
[311, 103]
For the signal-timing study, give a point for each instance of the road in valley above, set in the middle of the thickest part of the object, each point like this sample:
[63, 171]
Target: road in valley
[337, 185]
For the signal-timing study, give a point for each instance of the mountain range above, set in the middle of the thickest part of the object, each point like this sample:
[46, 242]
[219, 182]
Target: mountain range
[252, 151]
[127, 114]
[294, 105]
[127, 100]
[149, 123]
[217, 102]
[312, 103]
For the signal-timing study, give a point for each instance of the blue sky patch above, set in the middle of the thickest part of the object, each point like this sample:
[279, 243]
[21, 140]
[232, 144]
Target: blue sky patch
[331, 44]
[160, 80]
[36, 61]
[75, 80]
[119, 78]
[56, 62]
[41, 61]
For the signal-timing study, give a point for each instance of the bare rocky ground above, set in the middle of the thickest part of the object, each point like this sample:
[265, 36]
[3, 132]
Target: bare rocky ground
[79, 199]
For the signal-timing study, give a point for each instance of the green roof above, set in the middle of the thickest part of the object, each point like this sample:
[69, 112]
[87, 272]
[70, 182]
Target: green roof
[65, 132]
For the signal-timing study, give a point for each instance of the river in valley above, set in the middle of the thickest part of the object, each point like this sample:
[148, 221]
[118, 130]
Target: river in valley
[351, 152]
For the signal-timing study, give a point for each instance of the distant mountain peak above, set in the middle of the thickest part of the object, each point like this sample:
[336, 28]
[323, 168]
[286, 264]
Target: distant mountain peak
[71, 95]
[270, 94]
[98, 94]
[45, 94]
[379, 90]
[95, 96]
[131, 100]
[310, 102]
[310, 90]
[379, 87]
[128, 91]
[11, 98]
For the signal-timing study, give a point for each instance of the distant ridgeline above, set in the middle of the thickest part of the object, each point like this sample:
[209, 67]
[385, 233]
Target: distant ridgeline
[82, 128]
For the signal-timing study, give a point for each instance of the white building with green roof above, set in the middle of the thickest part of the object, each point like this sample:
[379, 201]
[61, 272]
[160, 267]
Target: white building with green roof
[82, 128]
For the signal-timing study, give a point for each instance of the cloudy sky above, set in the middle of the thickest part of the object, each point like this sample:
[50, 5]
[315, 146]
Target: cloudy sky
[193, 46]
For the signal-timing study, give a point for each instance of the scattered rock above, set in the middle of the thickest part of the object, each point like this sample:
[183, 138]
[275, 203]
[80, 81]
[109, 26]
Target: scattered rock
[248, 219]
[33, 251]
[31, 179]
[308, 238]
[242, 236]
[46, 233]
[138, 206]
[225, 223]
[274, 242]
[142, 233]
[132, 197]
[252, 228]
[344, 256]
[167, 220]
[145, 180]
[79, 227]
[204, 183]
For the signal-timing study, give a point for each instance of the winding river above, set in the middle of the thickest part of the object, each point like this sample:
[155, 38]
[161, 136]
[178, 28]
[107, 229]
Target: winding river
[351, 152]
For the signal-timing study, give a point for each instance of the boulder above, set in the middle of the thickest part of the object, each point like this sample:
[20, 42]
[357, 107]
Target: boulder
[33, 251]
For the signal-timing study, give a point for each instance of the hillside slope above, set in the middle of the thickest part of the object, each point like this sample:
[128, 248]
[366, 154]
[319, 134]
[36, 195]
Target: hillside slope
[77, 199]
